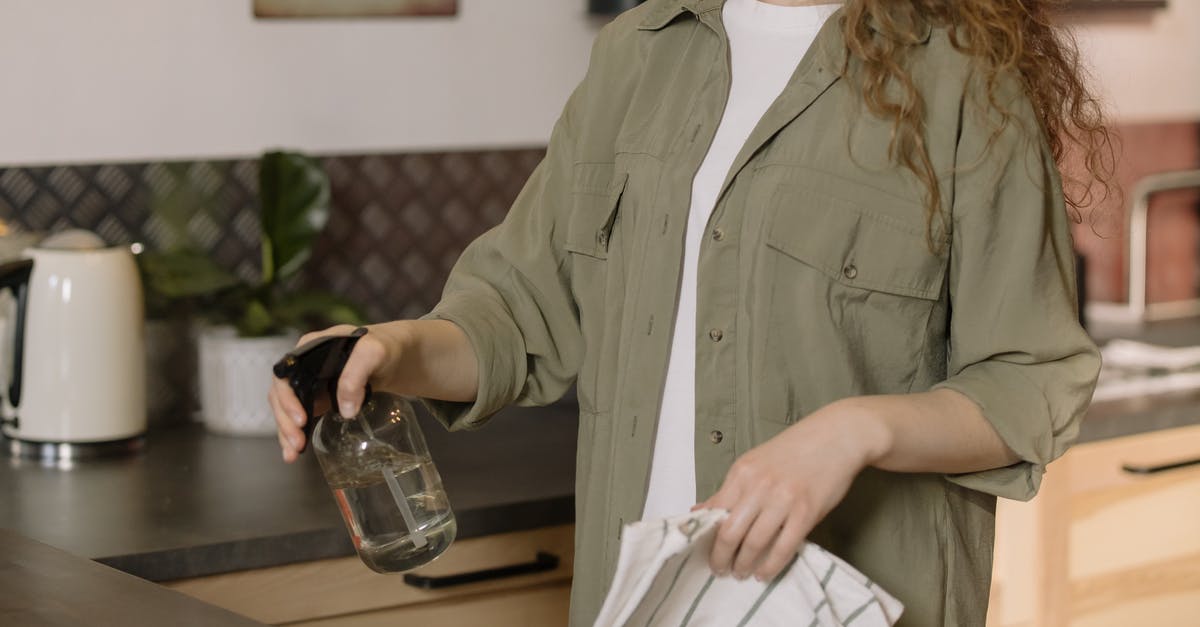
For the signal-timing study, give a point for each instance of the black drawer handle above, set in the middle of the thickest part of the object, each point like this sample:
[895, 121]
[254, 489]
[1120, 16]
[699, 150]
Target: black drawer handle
[540, 564]
[1146, 469]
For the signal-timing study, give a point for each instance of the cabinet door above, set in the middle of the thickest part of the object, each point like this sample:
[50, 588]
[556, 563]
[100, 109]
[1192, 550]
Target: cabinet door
[1133, 541]
[338, 587]
[1100, 546]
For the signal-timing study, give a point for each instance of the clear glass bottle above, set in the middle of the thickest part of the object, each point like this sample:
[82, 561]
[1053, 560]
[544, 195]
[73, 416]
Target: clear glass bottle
[385, 484]
[377, 463]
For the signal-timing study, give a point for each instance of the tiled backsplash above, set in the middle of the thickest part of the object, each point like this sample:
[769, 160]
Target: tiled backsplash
[398, 224]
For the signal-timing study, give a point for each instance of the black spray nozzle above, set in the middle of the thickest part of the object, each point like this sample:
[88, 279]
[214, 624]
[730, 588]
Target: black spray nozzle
[314, 367]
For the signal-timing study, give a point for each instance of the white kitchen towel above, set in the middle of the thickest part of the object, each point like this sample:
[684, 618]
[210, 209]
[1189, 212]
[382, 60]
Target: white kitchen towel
[663, 578]
[1138, 369]
[1121, 353]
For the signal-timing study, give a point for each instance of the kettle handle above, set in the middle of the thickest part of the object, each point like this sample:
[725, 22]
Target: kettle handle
[14, 276]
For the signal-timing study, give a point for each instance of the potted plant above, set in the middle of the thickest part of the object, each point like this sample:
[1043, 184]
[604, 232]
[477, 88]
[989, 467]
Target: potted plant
[249, 324]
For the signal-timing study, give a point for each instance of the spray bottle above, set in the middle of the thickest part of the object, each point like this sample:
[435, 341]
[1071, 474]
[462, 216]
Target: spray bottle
[377, 463]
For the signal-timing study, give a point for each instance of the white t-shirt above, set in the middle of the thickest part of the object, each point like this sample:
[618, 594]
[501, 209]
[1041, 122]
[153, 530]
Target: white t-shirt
[766, 44]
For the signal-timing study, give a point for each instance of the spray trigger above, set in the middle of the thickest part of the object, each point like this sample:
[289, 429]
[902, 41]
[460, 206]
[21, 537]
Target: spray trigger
[315, 367]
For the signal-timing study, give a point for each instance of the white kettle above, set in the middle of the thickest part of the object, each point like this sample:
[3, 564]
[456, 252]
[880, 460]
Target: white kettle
[76, 362]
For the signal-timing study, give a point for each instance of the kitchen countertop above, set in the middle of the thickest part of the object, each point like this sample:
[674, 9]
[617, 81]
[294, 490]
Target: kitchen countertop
[1140, 414]
[194, 503]
[1150, 412]
[41, 586]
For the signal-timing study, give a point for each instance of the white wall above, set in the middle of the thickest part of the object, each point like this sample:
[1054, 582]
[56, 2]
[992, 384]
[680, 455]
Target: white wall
[85, 80]
[1146, 62]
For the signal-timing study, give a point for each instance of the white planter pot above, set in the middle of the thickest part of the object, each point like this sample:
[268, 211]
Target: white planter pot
[235, 374]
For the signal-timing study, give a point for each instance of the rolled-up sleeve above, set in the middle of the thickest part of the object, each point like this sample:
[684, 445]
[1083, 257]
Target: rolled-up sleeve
[1016, 347]
[510, 294]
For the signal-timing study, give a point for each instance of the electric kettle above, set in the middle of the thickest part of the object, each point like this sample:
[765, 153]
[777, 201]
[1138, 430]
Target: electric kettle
[75, 360]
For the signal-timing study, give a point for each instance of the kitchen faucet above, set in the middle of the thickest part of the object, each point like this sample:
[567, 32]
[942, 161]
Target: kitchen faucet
[1137, 311]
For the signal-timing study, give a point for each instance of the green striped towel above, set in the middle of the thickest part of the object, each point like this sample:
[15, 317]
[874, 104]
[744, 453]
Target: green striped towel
[663, 578]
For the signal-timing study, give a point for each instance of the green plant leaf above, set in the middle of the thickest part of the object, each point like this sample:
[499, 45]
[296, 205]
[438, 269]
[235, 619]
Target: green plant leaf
[257, 321]
[183, 274]
[302, 310]
[295, 207]
[295, 198]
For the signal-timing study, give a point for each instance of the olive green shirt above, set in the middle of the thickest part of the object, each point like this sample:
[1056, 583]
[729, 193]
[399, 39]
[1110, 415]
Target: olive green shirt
[817, 274]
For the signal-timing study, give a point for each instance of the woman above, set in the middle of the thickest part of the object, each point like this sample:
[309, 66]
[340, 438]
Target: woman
[807, 263]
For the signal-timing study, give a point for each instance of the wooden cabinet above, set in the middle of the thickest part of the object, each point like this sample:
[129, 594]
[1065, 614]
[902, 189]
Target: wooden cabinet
[344, 593]
[1100, 546]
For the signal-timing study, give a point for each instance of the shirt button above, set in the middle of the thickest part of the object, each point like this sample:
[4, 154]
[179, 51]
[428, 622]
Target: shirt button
[718, 234]
[602, 238]
[715, 335]
[850, 271]
[715, 437]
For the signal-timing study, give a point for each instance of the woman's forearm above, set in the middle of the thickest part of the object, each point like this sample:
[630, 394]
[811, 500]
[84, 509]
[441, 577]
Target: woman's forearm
[797, 477]
[429, 359]
[940, 431]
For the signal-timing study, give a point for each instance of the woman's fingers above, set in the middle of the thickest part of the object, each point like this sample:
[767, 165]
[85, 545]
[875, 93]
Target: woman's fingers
[289, 414]
[732, 532]
[341, 329]
[364, 360]
[759, 538]
[289, 453]
[286, 397]
[291, 439]
[778, 491]
[787, 543]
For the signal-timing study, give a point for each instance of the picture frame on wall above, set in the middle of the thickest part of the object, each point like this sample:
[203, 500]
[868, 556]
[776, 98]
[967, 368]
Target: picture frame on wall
[353, 8]
[1116, 4]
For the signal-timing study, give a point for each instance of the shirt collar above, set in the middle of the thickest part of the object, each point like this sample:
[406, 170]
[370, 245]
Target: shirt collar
[665, 13]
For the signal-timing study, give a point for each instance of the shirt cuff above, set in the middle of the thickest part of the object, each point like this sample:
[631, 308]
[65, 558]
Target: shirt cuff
[1019, 412]
[499, 350]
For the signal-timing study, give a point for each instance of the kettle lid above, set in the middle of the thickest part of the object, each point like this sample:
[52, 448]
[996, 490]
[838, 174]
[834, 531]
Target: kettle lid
[73, 239]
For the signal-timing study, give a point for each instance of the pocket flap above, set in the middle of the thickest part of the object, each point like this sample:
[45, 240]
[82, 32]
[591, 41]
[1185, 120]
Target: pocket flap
[852, 246]
[593, 215]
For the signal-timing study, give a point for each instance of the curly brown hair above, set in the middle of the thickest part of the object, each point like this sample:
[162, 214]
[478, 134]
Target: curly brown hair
[1001, 37]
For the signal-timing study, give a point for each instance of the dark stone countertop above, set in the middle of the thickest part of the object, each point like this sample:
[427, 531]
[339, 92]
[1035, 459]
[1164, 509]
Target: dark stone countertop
[1140, 414]
[1152, 412]
[194, 503]
[41, 586]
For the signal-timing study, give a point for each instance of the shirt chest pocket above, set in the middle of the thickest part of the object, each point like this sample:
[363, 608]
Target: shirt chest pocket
[594, 214]
[844, 305]
[594, 241]
[854, 247]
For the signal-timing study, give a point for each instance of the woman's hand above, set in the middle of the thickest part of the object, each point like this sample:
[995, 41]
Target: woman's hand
[425, 358]
[370, 354]
[777, 492]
